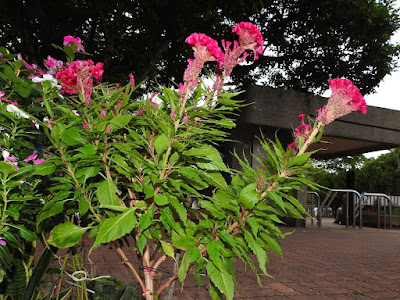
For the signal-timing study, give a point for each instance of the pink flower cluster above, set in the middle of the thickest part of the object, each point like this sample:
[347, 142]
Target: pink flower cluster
[33, 157]
[207, 49]
[77, 77]
[250, 37]
[69, 39]
[302, 130]
[52, 65]
[345, 99]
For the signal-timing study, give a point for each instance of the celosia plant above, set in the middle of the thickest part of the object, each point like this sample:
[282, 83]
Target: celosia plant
[126, 167]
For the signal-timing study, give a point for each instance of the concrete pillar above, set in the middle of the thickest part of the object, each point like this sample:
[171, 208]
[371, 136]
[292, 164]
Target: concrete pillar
[396, 183]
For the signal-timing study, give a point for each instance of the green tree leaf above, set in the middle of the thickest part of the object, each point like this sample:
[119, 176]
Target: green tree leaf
[25, 233]
[72, 137]
[179, 208]
[44, 169]
[161, 200]
[161, 143]
[107, 193]
[88, 149]
[119, 122]
[257, 250]
[168, 249]
[66, 235]
[222, 280]
[249, 196]
[208, 158]
[87, 172]
[115, 227]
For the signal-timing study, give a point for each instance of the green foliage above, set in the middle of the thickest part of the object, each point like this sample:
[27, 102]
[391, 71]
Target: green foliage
[312, 41]
[121, 168]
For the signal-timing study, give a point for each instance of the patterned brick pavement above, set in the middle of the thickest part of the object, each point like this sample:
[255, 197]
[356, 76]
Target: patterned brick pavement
[331, 262]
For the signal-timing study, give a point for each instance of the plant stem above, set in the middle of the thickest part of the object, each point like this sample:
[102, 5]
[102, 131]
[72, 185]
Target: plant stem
[129, 265]
[310, 138]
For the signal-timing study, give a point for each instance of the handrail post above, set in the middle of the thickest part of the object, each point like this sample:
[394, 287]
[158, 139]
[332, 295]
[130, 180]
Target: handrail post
[361, 210]
[379, 213]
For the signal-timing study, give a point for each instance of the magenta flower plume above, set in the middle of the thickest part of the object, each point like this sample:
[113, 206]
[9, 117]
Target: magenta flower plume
[205, 48]
[68, 39]
[345, 99]
[250, 37]
[3, 243]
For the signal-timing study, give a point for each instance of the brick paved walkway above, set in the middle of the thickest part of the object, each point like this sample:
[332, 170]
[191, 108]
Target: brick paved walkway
[331, 262]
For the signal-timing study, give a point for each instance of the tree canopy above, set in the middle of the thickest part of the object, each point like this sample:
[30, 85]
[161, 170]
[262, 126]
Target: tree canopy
[306, 41]
[373, 175]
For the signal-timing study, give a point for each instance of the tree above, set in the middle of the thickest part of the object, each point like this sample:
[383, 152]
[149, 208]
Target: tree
[308, 41]
[372, 175]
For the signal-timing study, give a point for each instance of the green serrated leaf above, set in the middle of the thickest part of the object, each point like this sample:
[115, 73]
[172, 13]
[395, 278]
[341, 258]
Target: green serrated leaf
[119, 122]
[66, 235]
[260, 253]
[161, 143]
[107, 193]
[222, 280]
[88, 149]
[161, 200]
[249, 196]
[6, 168]
[44, 169]
[87, 172]
[168, 249]
[116, 227]
[179, 208]
[277, 199]
[72, 137]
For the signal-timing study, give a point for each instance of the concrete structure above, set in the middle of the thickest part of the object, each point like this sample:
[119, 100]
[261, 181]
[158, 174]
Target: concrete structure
[274, 109]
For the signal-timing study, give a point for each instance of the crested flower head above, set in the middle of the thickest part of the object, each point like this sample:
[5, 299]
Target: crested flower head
[345, 99]
[69, 39]
[205, 48]
[250, 37]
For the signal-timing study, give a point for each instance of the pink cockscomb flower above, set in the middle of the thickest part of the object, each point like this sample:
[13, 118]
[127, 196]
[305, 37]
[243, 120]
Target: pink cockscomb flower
[205, 48]
[3, 242]
[250, 37]
[69, 39]
[52, 65]
[172, 114]
[132, 81]
[185, 119]
[103, 113]
[98, 71]
[345, 99]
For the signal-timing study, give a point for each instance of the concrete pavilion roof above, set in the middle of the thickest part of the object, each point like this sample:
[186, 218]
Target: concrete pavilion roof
[355, 133]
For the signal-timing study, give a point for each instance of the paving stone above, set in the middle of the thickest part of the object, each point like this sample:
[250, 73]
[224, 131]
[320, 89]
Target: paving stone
[330, 262]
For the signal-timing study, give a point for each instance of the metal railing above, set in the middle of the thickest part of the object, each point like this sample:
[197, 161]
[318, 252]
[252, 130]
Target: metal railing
[313, 196]
[331, 196]
[387, 203]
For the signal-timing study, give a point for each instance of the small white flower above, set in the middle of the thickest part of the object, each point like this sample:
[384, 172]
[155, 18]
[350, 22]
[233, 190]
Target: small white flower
[12, 108]
[5, 154]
